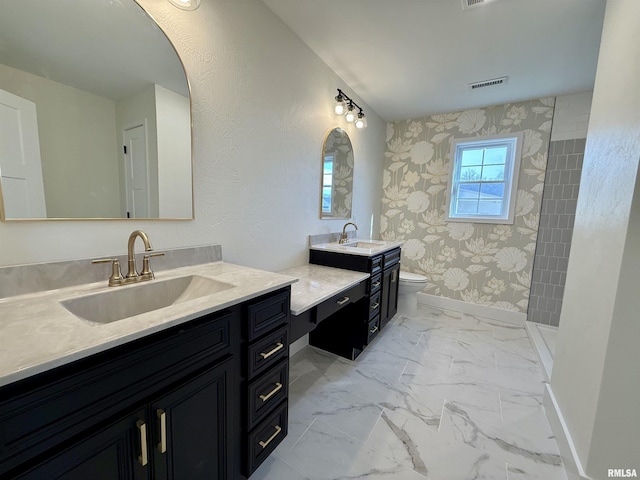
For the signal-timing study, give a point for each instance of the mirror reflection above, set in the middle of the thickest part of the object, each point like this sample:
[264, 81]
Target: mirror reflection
[337, 175]
[95, 116]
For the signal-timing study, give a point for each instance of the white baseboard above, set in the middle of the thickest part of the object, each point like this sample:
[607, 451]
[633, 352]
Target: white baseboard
[517, 318]
[572, 466]
[541, 348]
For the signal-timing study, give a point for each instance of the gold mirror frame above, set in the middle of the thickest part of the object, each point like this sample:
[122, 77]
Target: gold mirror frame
[336, 175]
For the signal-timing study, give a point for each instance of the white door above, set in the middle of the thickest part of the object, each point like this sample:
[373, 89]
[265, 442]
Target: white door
[20, 163]
[136, 172]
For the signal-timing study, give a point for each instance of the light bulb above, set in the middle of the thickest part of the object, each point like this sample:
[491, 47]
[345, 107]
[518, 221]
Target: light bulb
[339, 107]
[361, 121]
[351, 115]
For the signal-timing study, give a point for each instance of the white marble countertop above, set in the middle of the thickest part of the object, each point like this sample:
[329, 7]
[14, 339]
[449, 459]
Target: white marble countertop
[317, 283]
[356, 246]
[37, 333]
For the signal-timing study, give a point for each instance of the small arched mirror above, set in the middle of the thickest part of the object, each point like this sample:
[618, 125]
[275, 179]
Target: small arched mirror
[337, 175]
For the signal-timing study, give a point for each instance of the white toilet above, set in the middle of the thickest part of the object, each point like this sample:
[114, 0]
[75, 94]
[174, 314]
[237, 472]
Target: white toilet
[410, 284]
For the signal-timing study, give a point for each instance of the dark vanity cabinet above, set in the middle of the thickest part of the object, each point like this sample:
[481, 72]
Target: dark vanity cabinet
[338, 326]
[171, 405]
[390, 285]
[265, 372]
[381, 290]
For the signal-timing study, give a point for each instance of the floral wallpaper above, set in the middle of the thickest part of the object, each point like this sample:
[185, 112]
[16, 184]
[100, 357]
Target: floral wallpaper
[486, 264]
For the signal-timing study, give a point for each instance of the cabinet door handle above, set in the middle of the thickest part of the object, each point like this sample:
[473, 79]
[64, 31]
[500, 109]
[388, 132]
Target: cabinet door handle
[343, 300]
[374, 330]
[374, 306]
[394, 275]
[162, 415]
[264, 444]
[279, 346]
[266, 397]
[142, 428]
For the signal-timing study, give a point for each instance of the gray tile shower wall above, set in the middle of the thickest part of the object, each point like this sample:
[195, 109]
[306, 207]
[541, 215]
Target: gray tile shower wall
[561, 185]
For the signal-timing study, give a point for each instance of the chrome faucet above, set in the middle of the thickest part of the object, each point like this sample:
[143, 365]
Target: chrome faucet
[116, 278]
[343, 236]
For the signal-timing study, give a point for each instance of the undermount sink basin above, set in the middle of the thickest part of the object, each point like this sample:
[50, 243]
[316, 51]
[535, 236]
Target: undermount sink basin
[359, 244]
[124, 302]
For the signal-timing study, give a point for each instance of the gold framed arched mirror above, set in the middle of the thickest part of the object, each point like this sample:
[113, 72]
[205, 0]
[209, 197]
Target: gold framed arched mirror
[336, 189]
[95, 114]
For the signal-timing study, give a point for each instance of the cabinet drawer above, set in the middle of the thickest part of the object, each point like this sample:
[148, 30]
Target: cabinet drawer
[266, 392]
[344, 298]
[267, 314]
[268, 351]
[375, 283]
[266, 437]
[372, 329]
[374, 304]
[391, 258]
[376, 264]
[39, 412]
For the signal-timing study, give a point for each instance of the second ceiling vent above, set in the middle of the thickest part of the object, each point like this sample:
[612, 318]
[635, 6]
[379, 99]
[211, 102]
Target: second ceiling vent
[488, 83]
[467, 4]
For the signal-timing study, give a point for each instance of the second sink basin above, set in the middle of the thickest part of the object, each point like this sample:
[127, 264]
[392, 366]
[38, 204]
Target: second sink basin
[359, 244]
[123, 302]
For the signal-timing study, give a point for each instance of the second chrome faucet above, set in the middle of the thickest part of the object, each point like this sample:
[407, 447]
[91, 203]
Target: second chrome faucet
[343, 236]
[132, 276]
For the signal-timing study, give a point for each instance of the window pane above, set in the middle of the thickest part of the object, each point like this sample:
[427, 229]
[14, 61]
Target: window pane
[492, 191]
[495, 155]
[490, 207]
[493, 172]
[472, 156]
[466, 206]
[468, 190]
[468, 174]
[326, 199]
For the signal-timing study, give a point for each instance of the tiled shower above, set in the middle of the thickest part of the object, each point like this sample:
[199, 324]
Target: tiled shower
[562, 181]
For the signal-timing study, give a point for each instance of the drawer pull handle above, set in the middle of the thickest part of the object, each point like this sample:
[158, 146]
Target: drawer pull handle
[343, 300]
[374, 330]
[374, 306]
[279, 346]
[377, 284]
[162, 446]
[142, 458]
[264, 444]
[266, 397]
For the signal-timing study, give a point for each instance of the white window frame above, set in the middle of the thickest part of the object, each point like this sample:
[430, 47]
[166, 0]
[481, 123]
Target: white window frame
[512, 169]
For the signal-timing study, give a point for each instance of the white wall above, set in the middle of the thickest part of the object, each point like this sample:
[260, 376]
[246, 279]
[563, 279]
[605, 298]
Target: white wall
[262, 103]
[174, 154]
[85, 168]
[596, 371]
[571, 116]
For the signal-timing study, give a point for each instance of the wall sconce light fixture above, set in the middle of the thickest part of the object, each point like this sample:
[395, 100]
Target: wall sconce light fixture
[185, 4]
[347, 107]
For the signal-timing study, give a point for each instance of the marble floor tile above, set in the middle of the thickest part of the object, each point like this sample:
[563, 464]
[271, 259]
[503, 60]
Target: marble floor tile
[436, 396]
[325, 452]
[408, 443]
[274, 468]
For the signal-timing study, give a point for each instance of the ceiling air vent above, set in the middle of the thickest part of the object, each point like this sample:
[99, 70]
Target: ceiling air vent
[488, 83]
[467, 4]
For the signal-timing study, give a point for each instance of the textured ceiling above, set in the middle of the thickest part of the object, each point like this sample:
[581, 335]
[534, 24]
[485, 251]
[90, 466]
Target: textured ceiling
[410, 58]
